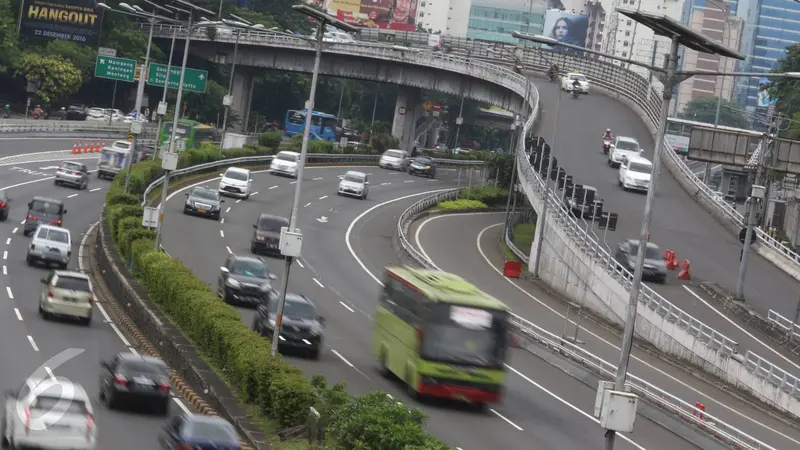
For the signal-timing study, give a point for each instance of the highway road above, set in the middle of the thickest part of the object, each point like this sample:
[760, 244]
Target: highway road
[468, 245]
[679, 223]
[346, 294]
[12, 144]
[27, 342]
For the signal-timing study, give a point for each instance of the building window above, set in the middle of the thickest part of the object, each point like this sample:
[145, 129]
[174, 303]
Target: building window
[630, 22]
[625, 44]
[624, 54]
[627, 33]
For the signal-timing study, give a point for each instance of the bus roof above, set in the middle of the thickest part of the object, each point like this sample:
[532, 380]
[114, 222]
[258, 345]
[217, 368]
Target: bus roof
[315, 113]
[445, 287]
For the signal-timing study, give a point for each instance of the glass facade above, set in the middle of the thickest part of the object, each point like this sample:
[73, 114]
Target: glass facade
[496, 22]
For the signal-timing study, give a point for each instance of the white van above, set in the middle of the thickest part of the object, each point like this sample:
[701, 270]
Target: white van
[285, 163]
[634, 173]
[236, 182]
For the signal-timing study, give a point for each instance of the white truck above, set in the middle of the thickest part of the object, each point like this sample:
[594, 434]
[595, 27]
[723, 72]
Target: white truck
[113, 159]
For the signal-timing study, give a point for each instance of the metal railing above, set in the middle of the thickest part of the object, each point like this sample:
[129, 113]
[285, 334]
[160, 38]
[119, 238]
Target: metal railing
[784, 323]
[66, 126]
[311, 159]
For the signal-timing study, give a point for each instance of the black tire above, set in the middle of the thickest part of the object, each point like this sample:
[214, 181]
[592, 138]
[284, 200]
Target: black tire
[110, 403]
[412, 393]
[87, 322]
[29, 260]
[253, 249]
[314, 353]
[162, 409]
[4, 443]
[382, 368]
[43, 314]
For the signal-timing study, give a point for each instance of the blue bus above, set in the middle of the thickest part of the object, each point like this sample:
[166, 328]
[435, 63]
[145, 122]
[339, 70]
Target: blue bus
[323, 126]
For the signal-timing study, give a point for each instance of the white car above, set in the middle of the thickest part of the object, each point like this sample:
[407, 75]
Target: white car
[568, 79]
[51, 244]
[96, 115]
[623, 147]
[393, 159]
[236, 182]
[67, 294]
[285, 163]
[42, 414]
[338, 37]
[354, 184]
[634, 174]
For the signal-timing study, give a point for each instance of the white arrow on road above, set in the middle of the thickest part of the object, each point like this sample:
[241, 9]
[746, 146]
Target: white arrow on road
[322, 219]
[48, 168]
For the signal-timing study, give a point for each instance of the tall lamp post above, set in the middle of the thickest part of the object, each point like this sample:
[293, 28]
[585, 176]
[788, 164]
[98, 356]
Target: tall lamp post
[161, 110]
[136, 125]
[169, 163]
[290, 237]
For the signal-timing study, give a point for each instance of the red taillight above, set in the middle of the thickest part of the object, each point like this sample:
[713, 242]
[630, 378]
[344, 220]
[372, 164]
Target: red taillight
[163, 386]
[50, 293]
[120, 380]
[60, 170]
[185, 447]
[27, 421]
[78, 173]
[33, 247]
[419, 334]
[89, 426]
[31, 218]
[2, 204]
[55, 222]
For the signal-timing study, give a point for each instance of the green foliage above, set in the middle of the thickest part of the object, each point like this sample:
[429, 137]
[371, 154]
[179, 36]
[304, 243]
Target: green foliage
[461, 204]
[787, 90]
[489, 195]
[523, 235]
[705, 110]
[384, 141]
[271, 139]
[8, 36]
[58, 77]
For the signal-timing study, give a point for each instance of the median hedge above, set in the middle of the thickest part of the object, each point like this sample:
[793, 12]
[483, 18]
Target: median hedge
[276, 388]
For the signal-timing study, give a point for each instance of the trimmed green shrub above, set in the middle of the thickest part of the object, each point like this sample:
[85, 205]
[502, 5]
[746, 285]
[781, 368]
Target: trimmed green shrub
[127, 237]
[271, 139]
[116, 213]
[320, 147]
[121, 198]
[490, 195]
[461, 204]
[291, 397]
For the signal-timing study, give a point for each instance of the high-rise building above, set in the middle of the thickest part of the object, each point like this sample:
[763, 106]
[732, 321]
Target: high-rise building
[458, 18]
[495, 20]
[595, 32]
[432, 15]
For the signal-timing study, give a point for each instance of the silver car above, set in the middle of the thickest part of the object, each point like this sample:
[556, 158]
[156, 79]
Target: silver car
[50, 245]
[73, 174]
[354, 184]
[394, 160]
[67, 294]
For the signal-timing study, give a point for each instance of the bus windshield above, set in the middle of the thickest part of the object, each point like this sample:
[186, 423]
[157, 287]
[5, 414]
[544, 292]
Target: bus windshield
[463, 335]
[181, 131]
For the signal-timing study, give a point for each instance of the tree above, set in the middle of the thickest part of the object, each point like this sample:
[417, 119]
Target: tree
[787, 90]
[705, 110]
[8, 36]
[57, 77]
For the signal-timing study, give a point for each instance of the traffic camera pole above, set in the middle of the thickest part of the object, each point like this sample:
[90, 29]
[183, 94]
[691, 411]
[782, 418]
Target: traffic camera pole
[230, 87]
[139, 97]
[296, 202]
[751, 216]
[166, 88]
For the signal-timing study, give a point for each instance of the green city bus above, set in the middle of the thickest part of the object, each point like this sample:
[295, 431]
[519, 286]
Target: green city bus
[191, 131]
[441, 335]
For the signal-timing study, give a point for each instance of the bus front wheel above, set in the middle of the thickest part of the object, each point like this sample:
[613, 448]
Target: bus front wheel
[383, 369]
[412, 393]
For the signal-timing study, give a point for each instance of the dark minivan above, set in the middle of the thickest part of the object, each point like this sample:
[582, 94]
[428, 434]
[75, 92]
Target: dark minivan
[267, 234]
[43, 211]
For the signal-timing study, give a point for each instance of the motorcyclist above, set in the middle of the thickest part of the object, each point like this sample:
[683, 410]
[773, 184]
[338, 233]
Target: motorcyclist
[552, 72]
[7, 110]
[608, 136]
[576, 84]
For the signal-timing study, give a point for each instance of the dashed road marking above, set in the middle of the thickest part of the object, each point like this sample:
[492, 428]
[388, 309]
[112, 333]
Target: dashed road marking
[345, 305]
[95, 189]
[221, 233]
[19, 314]
[273, 187]
[323, 197]
[317, 281]
[307, 205]
[33, 343]
[73, 195]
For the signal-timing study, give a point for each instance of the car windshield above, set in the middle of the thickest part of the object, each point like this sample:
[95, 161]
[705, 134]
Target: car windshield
[141, 367]
[577, 77]
[205, 193]
[208, 431]
[295, 307]
[48, 403]
[627, 145]
[394, 154]
[44, 207]
[461, 335]
[270, 224]
[286, 157]
[651, 252]
[353, 177]
[73, 284]
[71, 166]
[422, 160]
[247, 268]
[639, 168]
[58, 236]
[237, 175]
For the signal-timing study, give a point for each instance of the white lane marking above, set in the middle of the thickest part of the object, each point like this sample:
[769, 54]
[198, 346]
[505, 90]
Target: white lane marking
[182, 406]
[5, 254]
[119, 334]
[254, 193]
[83, 245]
[23, 221]
[741, 329]
[221, 233]
[342, 358]
[317, 179]
[361, 216]
[504, 418]
[571, 406]
[342, 303]
[273, 187]
[222, 220]
[228, 210]
[133, 350]
[5, 270]
[306, 205]
[14, 231]
[707, 397]
[230, 252]
[73, 195]
[239, 201]
[408, 181]
[299, 263]
[385, 184]
[103, 312]
[50, 373]
[10, 295]
[293, 182]
[19, 314]
[323, 197]
[315, 281]
[95, 189]
[8, 241]
[33, 344]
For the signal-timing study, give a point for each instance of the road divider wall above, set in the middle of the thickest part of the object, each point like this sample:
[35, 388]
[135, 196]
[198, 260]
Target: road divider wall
[174, 307]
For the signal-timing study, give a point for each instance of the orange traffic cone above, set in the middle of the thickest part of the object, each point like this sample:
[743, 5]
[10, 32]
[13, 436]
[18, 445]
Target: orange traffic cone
[85, 147]
[75, 148]
[91, 147]
[104, 146]
[684, 273]
[673, 263]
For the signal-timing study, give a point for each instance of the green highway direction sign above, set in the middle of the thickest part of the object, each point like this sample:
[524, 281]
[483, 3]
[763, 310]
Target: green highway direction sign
[113, 68]
[193, 81]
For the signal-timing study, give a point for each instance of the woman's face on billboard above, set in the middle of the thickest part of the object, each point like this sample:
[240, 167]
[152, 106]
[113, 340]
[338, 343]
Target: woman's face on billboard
[561, 30]
[402, 8]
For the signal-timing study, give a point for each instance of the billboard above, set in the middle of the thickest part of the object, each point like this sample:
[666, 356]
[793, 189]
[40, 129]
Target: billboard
[566, 27]
[763, 96]
[388, 14]
[77, 21]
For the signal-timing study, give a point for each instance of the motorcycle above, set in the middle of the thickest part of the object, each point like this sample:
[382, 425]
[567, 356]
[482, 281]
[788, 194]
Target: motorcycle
[575, 93]
[552, 77]
[606, 147]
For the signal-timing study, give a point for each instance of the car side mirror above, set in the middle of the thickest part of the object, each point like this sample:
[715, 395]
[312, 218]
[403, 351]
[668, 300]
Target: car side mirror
[641, 151]
[272, 276]
[43, 280]
[30, 204]
[321, 320]
[254, 225]
[222, 174]
[222, 201]
[65, 211]
[341, 177]
[366, 182]
[186, 194]
[224, 269]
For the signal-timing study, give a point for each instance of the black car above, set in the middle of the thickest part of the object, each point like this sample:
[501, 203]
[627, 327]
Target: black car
[43, 211]
[654, 266]
[582, 202]
[75, 112]
[301, 328]
[245, 280]
[4, 207]
[204, 202]
[267, 234]
[135, 379]
[198, 432]
[422, 165]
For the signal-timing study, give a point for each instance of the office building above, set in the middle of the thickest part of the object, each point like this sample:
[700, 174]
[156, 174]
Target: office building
[458, 18]
[432, 15]
[495, 20]
[595, 32]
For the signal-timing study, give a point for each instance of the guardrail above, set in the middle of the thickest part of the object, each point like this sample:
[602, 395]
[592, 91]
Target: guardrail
[785, 324]
[311, 159]
[66, 126]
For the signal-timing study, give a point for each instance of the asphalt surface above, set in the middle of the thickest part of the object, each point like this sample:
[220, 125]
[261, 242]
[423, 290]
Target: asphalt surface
[18, 145]
[678, 222]
[346, 295]
[27, 342]
[468, 245]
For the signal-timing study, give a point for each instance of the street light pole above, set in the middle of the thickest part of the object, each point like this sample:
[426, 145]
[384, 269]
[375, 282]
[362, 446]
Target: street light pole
[513, 149]
[751, 213]
[230, 84]
[139, 96]
[171, 149]
[164, 93]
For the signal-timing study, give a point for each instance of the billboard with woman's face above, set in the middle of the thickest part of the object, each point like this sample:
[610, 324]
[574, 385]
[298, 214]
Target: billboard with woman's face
[392, 14]
[566, 27]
